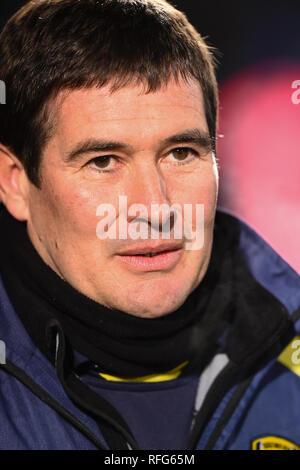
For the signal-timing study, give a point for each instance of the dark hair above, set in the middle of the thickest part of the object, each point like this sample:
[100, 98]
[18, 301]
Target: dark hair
[50, 45]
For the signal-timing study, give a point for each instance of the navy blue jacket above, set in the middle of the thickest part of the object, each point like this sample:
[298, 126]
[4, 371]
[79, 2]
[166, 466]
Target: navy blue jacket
[257, 408]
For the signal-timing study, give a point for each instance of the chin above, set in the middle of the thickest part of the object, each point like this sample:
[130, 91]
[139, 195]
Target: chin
[155, 306]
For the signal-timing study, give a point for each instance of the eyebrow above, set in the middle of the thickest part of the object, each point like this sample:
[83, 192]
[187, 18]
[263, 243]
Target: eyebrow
[93, 146]
[189, 136]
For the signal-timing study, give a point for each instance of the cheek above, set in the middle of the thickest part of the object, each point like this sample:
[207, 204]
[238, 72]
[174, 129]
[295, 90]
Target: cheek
[197, 188]
[201, 197]
[69, 210]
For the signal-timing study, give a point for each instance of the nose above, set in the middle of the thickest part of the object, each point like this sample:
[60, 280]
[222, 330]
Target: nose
[149, 192]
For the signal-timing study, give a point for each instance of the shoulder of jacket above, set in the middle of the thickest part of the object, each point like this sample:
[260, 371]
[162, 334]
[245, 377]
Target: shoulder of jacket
[265, 264]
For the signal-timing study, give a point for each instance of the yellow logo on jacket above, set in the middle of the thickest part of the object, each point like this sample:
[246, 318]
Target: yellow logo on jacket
[273, 443]
[290, 356]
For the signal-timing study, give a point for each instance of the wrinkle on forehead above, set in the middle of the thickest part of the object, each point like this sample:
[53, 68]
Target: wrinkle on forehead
[109, 96]
[53, 107]
[79, 112]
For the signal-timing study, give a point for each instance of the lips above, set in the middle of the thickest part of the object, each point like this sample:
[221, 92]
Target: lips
[152, 257]
[151, 250]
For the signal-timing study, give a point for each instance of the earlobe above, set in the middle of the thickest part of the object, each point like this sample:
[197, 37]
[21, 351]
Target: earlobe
[13, 184]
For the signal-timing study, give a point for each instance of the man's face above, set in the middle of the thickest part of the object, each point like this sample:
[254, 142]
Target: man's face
[142, 146]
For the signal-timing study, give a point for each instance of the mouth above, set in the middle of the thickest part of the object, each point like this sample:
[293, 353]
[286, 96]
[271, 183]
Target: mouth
[163, 257]
[150, 255]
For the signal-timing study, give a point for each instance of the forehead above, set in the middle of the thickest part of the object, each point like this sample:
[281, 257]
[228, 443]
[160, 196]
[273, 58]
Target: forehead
[129, 113]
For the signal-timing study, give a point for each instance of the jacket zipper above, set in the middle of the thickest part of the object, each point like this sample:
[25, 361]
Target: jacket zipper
[222, 383]
[226, 415]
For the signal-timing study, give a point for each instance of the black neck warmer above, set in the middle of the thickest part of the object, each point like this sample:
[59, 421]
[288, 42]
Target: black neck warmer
[119, 343]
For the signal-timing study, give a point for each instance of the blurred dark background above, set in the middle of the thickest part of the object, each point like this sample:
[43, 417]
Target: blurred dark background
[258, 47]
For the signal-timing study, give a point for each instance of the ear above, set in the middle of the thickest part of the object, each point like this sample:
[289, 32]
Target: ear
[14, 184]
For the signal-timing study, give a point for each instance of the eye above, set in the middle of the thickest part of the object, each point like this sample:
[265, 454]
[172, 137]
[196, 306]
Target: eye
[183, 154]
[102, 163]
